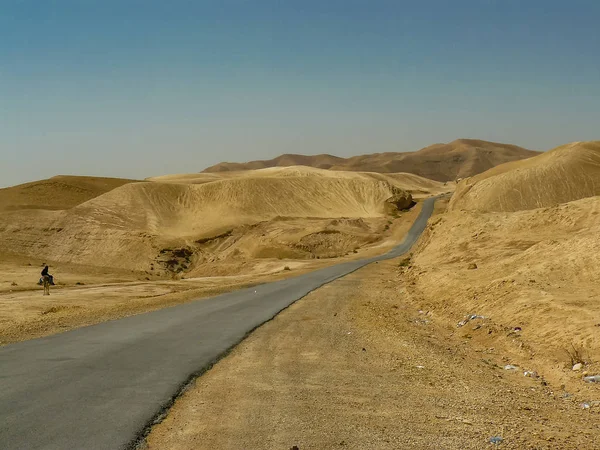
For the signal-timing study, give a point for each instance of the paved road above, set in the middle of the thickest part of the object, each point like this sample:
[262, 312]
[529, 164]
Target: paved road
[98, 387]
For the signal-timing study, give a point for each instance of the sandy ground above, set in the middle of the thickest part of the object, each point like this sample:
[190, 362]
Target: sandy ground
[360, 364]
[86, 295]
[204, 227]
[538, 271]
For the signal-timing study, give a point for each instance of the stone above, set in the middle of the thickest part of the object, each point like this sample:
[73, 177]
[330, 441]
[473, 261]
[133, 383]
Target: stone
[472, 266]
[577, 367]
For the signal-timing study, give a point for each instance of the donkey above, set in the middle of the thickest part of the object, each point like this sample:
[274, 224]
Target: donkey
[46, 283]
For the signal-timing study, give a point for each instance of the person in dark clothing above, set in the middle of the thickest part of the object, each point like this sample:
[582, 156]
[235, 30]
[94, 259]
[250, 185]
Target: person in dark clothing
[46, 274]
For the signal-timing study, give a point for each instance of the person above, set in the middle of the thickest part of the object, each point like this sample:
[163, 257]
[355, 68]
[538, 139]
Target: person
[44, 274]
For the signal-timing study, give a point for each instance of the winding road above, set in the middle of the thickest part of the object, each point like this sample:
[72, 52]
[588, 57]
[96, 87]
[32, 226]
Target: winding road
[101, 386]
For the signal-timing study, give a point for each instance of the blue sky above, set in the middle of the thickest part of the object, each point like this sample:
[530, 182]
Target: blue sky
[140, 88]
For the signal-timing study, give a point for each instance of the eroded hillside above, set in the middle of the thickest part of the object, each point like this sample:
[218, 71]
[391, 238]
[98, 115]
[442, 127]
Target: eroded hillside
[218, 225]
[533, 272]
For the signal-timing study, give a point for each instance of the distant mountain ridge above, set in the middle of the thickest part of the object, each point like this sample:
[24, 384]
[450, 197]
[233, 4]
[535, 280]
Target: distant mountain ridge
[441, 162]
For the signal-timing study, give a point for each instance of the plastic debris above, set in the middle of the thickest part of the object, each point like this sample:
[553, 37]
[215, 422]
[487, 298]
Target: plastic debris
[592, 379]
[468, 318]
[496, 440]
[510, 367]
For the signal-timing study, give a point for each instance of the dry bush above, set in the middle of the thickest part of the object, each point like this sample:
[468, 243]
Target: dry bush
[577, 355]
[405, 262]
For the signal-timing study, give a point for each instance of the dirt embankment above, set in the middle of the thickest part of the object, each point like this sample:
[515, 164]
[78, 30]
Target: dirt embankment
[532, 271]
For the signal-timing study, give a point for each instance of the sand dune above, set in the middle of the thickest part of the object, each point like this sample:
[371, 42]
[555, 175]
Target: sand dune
[521, 246]
[567, 173]
[60, 192]
[409, 182]
[441, 162]
[536, 269]
[181, 223]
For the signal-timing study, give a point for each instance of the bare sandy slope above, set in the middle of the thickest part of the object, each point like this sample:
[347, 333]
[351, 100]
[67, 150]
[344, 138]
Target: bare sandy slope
[60, 192]
[537, 269]
[165, 228]
[569, 172]
[414, 184]
[361, 364]
[177, 270]
[441, 162]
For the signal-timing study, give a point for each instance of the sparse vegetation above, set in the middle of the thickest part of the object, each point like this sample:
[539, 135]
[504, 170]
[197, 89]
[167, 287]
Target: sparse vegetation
[577, 355]
[405, 262]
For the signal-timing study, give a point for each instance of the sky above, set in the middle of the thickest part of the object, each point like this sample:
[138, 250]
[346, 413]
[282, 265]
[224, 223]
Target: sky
[134, 89]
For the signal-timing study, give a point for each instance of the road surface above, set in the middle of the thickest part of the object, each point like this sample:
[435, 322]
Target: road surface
[99, 387]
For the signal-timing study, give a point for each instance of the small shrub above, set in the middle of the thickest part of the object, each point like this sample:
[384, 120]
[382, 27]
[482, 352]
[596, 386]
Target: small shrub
[576, 355]
[405, 262]
[287, 268]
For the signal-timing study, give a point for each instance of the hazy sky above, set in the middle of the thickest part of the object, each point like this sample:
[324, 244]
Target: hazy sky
[140, 88]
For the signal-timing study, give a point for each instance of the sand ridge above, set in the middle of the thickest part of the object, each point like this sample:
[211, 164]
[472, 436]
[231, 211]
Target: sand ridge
[57, 193]
[172, 227]
[442, 162]
[567, 173]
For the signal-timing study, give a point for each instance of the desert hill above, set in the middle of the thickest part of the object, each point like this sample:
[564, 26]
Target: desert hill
[409, 182]
[440, 162]
[60, 192]
[185, 222]
[567, 173]
[520, 246]
[287, 160]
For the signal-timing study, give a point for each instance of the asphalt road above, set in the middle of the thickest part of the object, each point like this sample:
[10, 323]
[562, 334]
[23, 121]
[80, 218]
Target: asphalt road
[100, 386]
